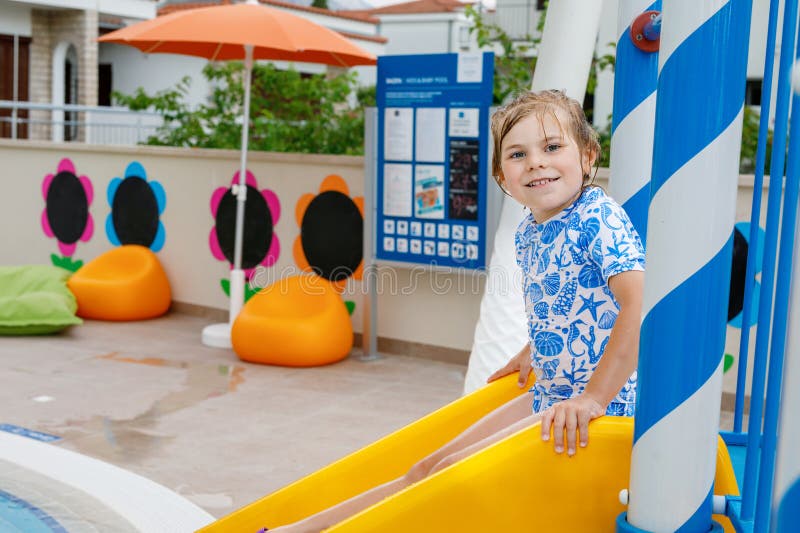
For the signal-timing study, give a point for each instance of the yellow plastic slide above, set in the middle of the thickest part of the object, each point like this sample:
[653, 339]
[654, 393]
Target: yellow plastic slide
[508, 487]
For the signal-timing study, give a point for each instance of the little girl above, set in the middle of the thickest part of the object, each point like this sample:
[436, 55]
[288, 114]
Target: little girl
[583, 267]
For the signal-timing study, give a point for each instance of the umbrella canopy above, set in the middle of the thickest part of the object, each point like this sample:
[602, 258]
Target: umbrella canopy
[221, 32]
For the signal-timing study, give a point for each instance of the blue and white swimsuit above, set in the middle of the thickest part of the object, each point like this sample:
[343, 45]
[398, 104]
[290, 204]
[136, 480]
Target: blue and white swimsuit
[566, 263]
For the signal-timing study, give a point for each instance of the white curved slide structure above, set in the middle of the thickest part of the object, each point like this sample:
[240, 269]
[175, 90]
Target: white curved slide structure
[565, 56]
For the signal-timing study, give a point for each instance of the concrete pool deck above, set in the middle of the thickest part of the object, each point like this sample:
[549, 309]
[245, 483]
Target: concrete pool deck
[150, 398]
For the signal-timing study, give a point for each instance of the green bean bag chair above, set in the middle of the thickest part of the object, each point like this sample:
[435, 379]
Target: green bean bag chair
[35, 300]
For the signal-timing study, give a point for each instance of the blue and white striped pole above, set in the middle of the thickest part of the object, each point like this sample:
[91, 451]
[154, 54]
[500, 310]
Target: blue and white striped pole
[702, 69]
[633, 120]
[786, 515]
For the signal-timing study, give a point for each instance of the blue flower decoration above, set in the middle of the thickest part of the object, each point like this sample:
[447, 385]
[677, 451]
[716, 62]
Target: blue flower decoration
[136, 208]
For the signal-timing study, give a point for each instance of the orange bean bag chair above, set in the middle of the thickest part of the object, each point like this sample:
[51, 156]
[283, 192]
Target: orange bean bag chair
[125, 283]
[297, 321]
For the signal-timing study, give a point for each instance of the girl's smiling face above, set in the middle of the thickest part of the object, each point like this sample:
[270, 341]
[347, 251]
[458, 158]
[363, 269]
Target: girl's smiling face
[541, 166]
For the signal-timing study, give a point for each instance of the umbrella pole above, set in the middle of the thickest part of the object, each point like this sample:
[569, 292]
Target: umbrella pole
[219, 335]
[237, 274]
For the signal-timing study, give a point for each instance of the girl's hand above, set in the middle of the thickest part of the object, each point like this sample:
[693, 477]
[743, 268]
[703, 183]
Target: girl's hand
[519, 363]
[574, 415]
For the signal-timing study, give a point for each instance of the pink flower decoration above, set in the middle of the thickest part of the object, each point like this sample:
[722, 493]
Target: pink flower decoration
[223, 208]
[66, 216]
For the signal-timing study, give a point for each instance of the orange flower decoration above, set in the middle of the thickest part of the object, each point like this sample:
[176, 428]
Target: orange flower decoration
[331, 241]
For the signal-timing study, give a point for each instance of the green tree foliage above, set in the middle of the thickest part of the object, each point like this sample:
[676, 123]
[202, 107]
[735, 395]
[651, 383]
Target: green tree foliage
[747, 160]
[289, 111]
[322, 4]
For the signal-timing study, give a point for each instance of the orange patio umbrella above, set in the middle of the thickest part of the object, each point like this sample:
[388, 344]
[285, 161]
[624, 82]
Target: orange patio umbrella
[243, 32]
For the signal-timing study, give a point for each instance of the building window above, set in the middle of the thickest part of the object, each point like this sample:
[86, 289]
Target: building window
[70, 95]
[7, 77]
[752, 93]
[104, 84]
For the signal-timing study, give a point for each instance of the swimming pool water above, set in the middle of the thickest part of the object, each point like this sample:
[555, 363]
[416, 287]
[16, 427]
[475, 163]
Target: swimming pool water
[33, 503]
[18, 515]
[48, 489]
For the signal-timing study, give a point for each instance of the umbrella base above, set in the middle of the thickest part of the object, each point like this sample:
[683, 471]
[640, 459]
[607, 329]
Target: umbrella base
[217, 335]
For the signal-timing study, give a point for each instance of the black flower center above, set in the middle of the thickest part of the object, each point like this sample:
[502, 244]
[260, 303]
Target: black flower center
[332, 234]
[738, 275]
[258, 227]
[135, 212]
[67, 207]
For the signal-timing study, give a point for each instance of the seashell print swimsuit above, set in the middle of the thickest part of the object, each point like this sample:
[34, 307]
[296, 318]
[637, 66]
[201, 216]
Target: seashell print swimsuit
[566, 263]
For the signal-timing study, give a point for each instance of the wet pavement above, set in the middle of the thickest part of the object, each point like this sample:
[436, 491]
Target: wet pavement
[150, 398]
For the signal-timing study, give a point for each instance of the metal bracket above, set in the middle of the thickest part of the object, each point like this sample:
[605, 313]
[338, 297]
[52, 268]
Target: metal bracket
[646, 31]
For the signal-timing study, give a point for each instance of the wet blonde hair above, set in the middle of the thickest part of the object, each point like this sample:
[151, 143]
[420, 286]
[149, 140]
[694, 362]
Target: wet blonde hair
[539, 104]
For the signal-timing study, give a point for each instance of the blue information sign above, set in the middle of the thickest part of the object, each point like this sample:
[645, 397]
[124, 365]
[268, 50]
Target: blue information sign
[432, 159]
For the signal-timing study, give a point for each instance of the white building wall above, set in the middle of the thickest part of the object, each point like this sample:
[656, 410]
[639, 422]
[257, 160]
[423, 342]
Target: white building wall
[333, 22]
[366, 75]
[427, 33]
[131, 69]
[15, 19]
[139, 9]
[518, 18]
[419, 38]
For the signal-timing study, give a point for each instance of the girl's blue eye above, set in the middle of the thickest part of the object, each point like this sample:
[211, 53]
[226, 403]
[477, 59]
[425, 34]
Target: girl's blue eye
[517, 155]
[552, 147]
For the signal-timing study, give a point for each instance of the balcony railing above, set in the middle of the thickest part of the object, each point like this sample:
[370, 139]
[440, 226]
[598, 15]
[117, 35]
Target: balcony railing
[518, 18]
[89, 124]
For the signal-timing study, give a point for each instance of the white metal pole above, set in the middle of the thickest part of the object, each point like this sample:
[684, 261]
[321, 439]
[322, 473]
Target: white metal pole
[369, 308]
[219, 335]
[568, 40]
[237, 274]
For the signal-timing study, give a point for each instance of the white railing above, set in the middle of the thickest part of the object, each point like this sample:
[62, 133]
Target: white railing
[89, 124]
[518, 18]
